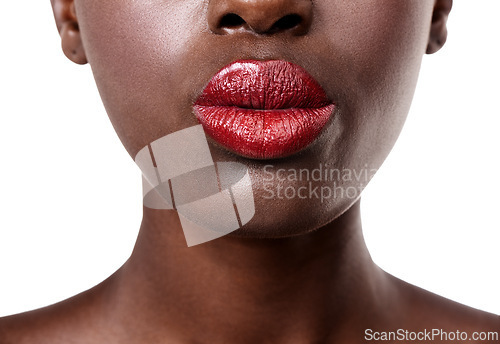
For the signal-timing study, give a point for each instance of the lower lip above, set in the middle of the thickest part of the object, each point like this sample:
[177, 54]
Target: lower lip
[269, 131]
[263, 134]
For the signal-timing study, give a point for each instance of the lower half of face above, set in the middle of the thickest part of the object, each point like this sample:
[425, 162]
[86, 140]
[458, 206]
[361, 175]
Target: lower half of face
[255, 78]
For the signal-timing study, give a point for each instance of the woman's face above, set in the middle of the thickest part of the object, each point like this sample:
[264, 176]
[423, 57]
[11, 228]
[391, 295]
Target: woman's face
[153, 59]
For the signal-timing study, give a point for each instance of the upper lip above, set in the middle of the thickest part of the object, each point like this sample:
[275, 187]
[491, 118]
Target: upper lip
[263, 85]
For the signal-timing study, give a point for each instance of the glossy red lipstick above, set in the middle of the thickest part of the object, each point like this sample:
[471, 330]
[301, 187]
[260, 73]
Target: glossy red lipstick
[263, 109]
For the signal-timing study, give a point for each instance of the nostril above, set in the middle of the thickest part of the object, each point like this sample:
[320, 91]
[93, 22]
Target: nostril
[231, 20]
[287, 22]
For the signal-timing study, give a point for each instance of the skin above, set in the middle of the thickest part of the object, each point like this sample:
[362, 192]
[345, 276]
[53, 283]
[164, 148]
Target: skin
[302, 275]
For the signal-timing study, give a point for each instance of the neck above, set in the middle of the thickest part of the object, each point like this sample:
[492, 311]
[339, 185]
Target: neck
[257, 289]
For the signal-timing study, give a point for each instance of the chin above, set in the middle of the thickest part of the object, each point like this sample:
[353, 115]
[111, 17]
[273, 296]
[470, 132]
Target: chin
[282, 218]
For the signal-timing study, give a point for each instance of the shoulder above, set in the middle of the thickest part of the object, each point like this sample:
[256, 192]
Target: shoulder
[38, 326]
[75, 320]
[448, 319]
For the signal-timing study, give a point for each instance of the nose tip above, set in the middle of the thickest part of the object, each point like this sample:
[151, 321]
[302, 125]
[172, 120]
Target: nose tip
[259, 16]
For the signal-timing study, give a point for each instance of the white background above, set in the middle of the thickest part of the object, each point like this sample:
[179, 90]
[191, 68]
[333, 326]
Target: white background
[70, 198]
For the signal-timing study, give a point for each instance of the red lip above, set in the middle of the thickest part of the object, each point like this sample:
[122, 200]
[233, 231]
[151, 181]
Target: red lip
[263, 109]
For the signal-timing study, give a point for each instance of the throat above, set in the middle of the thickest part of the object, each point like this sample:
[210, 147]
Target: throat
[303, 283]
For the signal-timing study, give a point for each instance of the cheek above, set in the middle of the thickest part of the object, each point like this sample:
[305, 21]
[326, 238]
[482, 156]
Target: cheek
[383, 39]
[133, 49]
[381, 44]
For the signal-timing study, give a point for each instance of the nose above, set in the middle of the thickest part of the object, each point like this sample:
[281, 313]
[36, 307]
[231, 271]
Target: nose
[259, 16]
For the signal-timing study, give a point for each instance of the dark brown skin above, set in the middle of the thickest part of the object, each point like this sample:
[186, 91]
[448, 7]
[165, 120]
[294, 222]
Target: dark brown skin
[302, 274]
